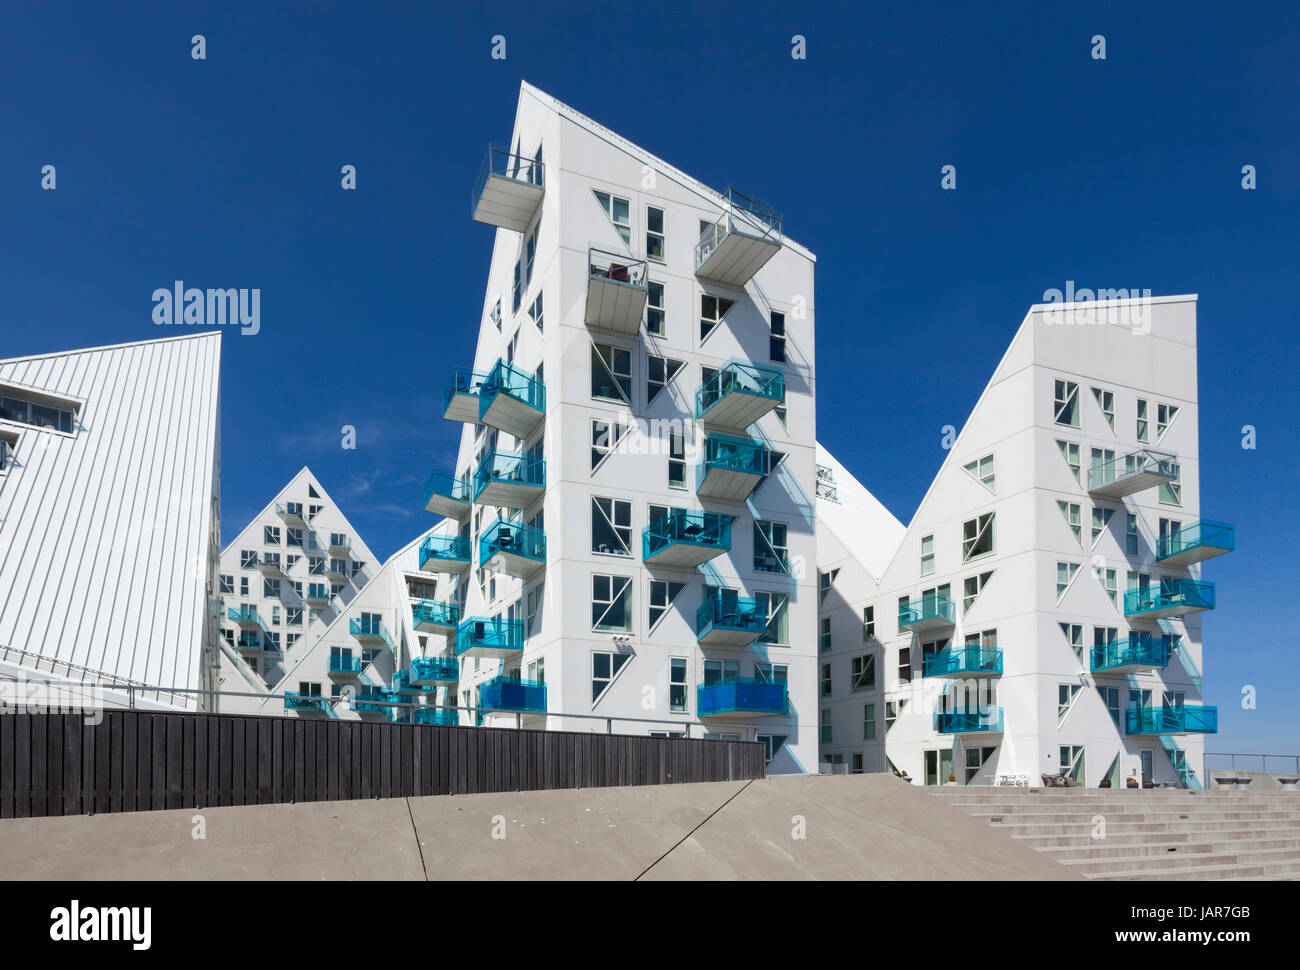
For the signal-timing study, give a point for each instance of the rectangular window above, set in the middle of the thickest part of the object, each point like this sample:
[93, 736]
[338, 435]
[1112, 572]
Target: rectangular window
[868, 728]
[611, 604]
[905, 665]
[927, 555]
[1100, 520]
[1108, 581]
[677, 684]
[38, 414]
[771, 554]
[826, 680]
[717, 670]
[654, 233]
[776, 605]
[655, 315]
[1130, 533]
[611, 373]
[1111, 697]
[825, 633]
[1066, 403]
[712, 310]
[863, 673]
[776, 341]
[611, 526]
[977, 537]
[676, 458]
[662, 594]
[1143, 426]
[868, 623]
[619, 212]
[659, 374]
[770, 673]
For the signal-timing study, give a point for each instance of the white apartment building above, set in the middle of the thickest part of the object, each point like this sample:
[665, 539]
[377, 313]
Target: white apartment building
[1041, 612]
[283, 580]
[631, 510]
[110, 520]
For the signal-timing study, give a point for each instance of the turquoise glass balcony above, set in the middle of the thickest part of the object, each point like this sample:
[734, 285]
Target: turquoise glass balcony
[508, 694]
[370, 630]
[731, 467]
[1175, 597]
[726, 619]
[1195, 543]
[376, 701]
[929, 612]
[294, 701]
[1132, 654]
[739, 243]
[435, 716]
[509, 480]
[741, 697]
[441, 553]
[344, 666]
[250, 641]
[617, 289]
[512, 400]
[1188, 719]
[1131, 473]
[513, 548]
[318, 594]
[447, 495]
[685, 538]
[969, 722]
[495, 637]
[246, 617]
[431, 616]
[432, 672]
[964, 662]
[739, 394]
[460, 399]
[508, 190]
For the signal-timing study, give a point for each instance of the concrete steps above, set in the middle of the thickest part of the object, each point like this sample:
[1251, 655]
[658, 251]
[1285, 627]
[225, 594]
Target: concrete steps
[1149, 834]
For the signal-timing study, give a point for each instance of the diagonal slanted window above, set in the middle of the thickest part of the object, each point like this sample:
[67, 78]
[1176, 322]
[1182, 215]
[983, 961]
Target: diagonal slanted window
[977, 537]
[659, 374]
[611, 526]
[712, 310]
[1065, 573]
[605, 437]
[662, 594]
[771, 553]
[611, 373]
[604, 668]
[611, 604]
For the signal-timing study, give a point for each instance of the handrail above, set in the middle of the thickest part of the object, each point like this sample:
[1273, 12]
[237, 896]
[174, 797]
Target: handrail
[1141, 461]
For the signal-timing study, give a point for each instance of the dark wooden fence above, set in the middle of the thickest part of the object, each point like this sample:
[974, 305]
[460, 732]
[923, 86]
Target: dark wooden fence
[133, 761]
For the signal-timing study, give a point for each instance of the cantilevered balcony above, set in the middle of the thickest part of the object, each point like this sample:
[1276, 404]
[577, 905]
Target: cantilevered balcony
[429, 673]
[508, 480]
[340, 545]
[291, 513]
[490, 637]
[738, 394]
[739, 243]
[726, 619]
[509, 694]
[436, 716]
[731, 468]
[1195, 543]
[370, 630]
[1136, 653]
[741, 697]
[245, 617]
[512, 548]
[616, 291]
[512, 400]
[295, 701]
[432, 616]
[344, 666]
[932, 611]
[268, 564]
[444, 554]
[508, 190]
[988, 721]
[250, 641]
[1175, 596]
[338, 570]
[375, 701]
[447, 495]
[460, 400]
[1169, 719]
[685, 538]
[964, 662]
[318, 594]
[1131, 473]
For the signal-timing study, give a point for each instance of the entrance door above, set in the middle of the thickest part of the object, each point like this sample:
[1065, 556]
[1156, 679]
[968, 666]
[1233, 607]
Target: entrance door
[938, 766]
[1147, 772]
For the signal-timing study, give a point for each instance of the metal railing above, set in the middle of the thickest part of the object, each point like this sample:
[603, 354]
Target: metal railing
[1266, 763]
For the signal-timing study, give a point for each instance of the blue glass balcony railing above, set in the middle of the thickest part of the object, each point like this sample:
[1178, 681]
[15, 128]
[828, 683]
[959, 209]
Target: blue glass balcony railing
[369, 628]
[294, 701]
[687, 527]
[515, 382]
[740, 377]
[932, 609]
[741, 696]
[245, 615]
[1197, 541]
[490, 635]
[510, 694]
[735, 454]
[433, 670]
[728, 613]
[988, 721]
[523, 473]
[345, 665]
[453, 550]
[1136, 650]
[446, 487]
[1188, 719]
[965, 661]
[375, 702]
[512, 538]
[434, 613]
[436, 716]
[465, 383]
[1175, 596]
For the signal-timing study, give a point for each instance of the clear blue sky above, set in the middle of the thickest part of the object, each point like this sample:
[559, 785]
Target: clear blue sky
[1122, 173]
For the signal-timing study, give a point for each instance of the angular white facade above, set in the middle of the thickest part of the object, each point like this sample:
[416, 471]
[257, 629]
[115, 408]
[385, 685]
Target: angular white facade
[109, 516]
[1041, 612]
[644, 365]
